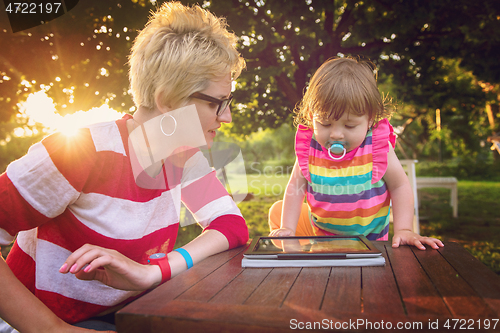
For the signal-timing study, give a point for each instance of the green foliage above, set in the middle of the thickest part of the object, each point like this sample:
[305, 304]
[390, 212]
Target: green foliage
[187, 234]
[15, 146]
[465, 168]
[460, 100]
[430, 55]
[255, 213]
[79, 57]
[411, 42]
[487, 252]
[264, 147]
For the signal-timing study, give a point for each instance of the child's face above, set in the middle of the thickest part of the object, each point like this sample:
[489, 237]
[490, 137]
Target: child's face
[350, 130]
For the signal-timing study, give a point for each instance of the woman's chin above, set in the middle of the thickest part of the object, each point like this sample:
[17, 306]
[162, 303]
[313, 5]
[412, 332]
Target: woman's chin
[210, 142]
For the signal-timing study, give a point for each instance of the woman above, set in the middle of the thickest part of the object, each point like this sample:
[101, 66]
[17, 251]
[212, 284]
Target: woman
[80, 208]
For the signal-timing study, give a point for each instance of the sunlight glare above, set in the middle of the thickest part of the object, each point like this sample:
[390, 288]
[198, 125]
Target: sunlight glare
[40, 108]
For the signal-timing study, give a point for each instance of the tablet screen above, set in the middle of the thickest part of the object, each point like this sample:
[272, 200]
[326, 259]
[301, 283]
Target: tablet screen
[310, 245]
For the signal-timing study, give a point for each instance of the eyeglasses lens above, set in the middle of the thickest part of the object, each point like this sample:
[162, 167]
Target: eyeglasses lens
[223, 105]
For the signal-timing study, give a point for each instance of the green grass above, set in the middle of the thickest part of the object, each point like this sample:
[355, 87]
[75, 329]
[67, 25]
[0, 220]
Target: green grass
[478, 213]
[267, 185]
[477, 227]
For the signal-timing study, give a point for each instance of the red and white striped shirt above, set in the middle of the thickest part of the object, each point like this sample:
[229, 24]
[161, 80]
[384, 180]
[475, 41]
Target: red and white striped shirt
[69, 191]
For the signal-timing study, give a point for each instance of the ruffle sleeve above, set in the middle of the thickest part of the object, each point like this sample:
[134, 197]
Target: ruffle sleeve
[302, 146]
[382, 134]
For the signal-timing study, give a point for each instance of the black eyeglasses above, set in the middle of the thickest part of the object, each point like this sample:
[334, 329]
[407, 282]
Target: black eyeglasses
[223, 103]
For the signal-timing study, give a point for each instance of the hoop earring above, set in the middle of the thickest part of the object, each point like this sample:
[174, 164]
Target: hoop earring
[175, 125]
[336, 146]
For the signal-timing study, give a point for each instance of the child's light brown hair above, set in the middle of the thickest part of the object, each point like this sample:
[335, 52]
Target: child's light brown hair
[342, 85]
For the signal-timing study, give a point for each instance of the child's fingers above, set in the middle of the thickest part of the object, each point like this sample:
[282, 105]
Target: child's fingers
[418, 244]
[433, 242]
[396, 241]
[281, 233]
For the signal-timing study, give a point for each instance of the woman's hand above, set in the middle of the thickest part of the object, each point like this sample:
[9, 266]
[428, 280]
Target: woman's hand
[282, 232]
[112, 268]
[408, 237]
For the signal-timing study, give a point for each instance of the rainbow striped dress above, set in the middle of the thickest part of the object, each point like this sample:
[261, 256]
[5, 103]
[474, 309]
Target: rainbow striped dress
[347, 196]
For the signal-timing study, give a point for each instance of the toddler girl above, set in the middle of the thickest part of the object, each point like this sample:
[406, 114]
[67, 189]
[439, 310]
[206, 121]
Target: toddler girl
[346, 165]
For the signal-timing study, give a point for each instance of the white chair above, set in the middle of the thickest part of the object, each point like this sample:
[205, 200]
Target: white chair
[409, 167]
[445, 182]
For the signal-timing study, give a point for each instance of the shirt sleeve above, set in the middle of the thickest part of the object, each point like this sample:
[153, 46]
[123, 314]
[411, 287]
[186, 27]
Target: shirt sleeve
[302, 145]
[382, 136]
[40, 185]
[207, 199]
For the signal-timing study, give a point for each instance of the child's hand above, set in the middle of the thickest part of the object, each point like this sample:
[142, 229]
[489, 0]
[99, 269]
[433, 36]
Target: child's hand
[282, 232]
[408, 237]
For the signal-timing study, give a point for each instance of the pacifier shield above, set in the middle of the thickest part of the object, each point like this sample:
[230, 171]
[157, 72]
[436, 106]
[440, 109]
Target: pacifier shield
[337, 148]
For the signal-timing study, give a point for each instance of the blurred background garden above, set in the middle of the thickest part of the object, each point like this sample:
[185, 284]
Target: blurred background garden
[437, 60]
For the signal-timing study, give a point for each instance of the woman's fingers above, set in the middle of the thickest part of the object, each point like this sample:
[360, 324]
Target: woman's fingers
[87, 254]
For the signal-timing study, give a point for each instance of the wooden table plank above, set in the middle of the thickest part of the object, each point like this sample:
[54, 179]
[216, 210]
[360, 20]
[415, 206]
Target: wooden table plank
[275, 287]
[309, 288]
[378, 284]
[215, 282]
[189, 316]
[418, 293]
[172, 289]
[135, 317]
[238, 290]
[337, 297]
[482, 279]
[458, 295]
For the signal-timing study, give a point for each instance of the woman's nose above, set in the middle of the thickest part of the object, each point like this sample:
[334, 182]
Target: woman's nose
[226, 116]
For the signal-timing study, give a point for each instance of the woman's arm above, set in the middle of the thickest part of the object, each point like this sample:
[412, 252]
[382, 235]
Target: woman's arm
[110, 267]
[402, 204]
[292, 203]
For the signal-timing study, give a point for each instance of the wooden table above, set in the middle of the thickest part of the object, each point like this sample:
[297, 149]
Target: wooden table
[433, 290]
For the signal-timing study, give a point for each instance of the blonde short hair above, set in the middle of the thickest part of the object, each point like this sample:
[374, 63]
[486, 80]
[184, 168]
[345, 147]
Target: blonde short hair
[178, 52]
[340, 85]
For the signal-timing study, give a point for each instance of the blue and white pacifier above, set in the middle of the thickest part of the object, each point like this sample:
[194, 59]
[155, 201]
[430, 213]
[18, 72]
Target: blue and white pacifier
[338, 149]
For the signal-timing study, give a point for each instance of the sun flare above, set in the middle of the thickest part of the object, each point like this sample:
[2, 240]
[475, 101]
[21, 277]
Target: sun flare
[40, 108]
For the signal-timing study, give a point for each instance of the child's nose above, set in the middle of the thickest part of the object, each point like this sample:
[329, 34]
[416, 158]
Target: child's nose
[336, 134]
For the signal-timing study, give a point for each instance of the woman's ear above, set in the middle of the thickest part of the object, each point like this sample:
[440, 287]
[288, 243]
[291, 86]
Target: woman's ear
[160, 105]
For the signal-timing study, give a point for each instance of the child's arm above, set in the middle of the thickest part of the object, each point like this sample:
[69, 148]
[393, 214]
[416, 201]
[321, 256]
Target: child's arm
[402, 204]
[24, 311]
[292, 203]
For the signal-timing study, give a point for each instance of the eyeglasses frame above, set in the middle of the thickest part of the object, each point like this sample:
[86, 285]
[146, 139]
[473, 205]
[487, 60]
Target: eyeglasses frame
[205, 97]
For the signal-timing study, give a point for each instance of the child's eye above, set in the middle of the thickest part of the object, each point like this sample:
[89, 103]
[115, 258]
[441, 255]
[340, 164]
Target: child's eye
[322, 122]
[350, 126]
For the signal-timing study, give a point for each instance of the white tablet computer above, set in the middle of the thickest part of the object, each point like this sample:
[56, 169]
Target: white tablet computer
[311, 248]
